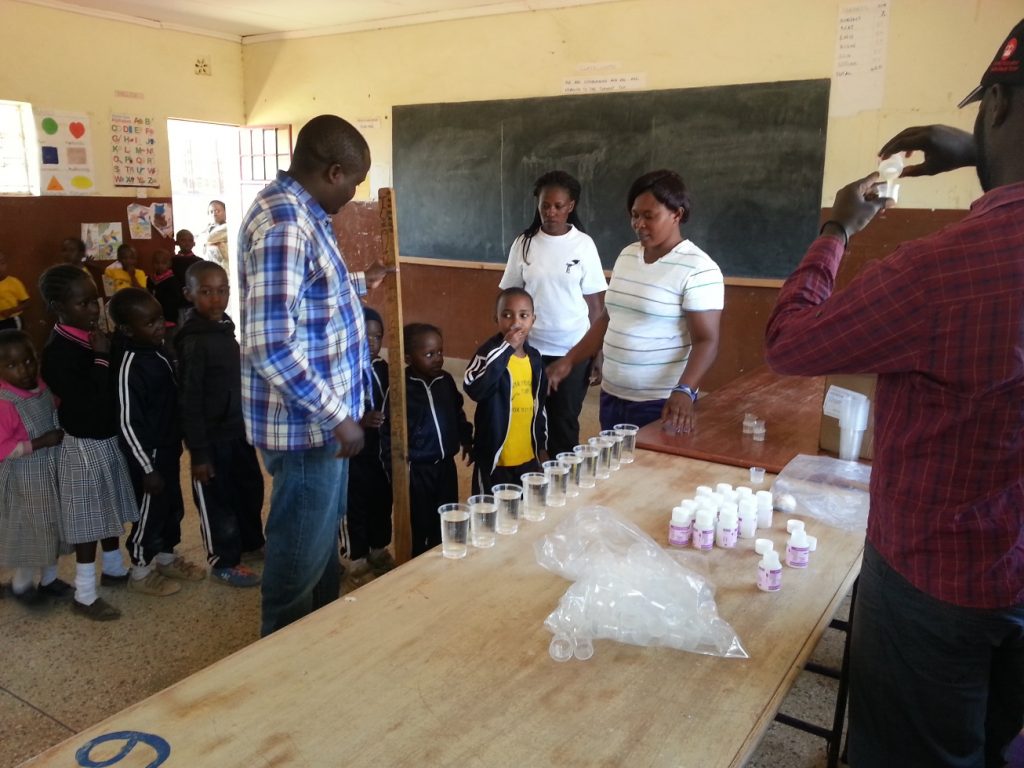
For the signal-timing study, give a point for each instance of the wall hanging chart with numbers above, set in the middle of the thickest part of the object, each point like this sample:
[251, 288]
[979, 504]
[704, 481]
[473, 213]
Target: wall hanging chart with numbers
[133, 151]
[65, 153]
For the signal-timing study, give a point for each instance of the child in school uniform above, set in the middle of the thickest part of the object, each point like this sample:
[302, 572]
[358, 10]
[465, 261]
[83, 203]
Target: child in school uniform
[95, 491]
[185, 257]
[368, 515]
[227, 483]
[147, 399]
[437, 428]
[125, 272]
[13, 297]
[29, 436]
[506, 379]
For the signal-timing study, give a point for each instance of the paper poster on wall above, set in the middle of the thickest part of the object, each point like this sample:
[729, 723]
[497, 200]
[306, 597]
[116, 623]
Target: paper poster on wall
[862, 39]
[133, 151]
[65, 153]
[139, 227]
[161, 218]
[102, 240]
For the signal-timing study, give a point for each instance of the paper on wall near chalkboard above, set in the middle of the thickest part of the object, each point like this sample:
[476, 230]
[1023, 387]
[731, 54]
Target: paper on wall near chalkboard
[605, 83]
[862, 37]
[139, 227]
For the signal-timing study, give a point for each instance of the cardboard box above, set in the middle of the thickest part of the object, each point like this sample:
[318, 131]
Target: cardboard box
[829, 436]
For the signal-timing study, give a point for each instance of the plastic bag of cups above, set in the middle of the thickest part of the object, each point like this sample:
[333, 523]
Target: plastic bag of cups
[627, 589]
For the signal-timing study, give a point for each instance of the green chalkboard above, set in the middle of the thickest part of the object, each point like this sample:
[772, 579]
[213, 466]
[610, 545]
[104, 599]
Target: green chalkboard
[752, 155]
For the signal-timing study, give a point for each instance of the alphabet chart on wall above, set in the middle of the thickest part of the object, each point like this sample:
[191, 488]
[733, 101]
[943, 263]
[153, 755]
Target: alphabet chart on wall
[133, 146]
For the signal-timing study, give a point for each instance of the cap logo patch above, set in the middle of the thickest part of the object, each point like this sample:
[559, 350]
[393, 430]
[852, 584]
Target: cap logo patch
[1011, 46]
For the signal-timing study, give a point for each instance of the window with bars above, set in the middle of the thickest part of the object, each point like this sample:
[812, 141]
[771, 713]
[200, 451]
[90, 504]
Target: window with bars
[19, 170]
[263, 150]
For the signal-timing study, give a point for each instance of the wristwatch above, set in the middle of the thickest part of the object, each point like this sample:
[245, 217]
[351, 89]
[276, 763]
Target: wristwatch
[687, 391]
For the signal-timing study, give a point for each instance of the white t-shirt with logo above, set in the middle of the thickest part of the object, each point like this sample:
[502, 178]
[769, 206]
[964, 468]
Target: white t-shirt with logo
[558, 272]
[648, 342]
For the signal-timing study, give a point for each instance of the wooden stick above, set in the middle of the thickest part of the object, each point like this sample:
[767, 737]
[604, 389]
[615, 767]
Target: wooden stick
[401, 536]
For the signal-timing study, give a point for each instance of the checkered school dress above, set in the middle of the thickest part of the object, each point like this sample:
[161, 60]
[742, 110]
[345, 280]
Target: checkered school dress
[29, 504]
[95, 489]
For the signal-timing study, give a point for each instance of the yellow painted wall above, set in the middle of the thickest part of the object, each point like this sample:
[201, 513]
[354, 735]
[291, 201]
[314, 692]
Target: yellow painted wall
[72, 62]
[937, 52]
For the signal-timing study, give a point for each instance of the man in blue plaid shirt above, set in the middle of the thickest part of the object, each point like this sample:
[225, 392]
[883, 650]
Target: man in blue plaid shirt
[305, 362]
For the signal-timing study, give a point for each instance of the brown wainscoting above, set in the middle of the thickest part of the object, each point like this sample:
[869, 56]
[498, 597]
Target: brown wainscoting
[32, 229]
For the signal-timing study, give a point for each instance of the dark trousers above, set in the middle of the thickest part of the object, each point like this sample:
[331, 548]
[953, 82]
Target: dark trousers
[158, 528]
[484, 481]
[369, 506]
[614, 410]
[563, 407]
[231, 504]
[932, 685]
[430, 486]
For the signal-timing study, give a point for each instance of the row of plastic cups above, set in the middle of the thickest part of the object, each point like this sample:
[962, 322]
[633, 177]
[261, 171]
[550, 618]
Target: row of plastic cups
[486, 515]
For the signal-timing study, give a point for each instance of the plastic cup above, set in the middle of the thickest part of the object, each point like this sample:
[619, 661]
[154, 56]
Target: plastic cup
[849, 443]
[748, 423]
[853, 421]
[616, 438]
[604, 456]
[454, 530]
[757, 475]
[588, 470]
[508, 498]
[535, 495]
[573, 463]
[483, 521]
[628, 434]
[759, 430]
[558, 481]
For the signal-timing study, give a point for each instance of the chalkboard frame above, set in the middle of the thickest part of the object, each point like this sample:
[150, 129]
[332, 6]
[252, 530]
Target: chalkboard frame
[752, 155]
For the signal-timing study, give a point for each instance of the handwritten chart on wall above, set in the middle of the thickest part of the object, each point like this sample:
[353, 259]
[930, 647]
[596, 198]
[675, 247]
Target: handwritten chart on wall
[65, 153]
[752, 155]
[133, 151]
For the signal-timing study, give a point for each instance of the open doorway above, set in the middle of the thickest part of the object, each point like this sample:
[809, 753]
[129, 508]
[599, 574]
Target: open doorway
[204, 168]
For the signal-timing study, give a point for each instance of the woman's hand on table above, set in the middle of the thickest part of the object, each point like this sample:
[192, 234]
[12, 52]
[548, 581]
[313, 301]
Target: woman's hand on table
[677, 414]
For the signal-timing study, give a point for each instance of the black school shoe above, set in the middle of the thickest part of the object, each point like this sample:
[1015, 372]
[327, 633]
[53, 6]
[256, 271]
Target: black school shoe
[57, 589]
[31, 597]
[106, 580]
[100, 610]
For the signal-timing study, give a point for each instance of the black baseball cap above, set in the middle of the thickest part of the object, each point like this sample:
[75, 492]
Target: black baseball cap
[1006, 67]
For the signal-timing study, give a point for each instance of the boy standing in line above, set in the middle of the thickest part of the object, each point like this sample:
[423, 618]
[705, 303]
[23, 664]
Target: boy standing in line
[227, 483]
[506, 379]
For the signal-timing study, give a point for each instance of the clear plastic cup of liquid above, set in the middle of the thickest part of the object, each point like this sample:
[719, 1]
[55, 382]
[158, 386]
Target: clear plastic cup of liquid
[573, 463]
[508, 497]
[483, 521]
[588, 470]
[604, 456]
[628, 434]
[616, 439]
[454, 530]
[558, 482]
[535, 495]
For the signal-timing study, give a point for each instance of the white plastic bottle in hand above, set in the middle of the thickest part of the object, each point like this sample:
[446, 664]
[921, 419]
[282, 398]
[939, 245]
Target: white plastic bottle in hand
[890, 169]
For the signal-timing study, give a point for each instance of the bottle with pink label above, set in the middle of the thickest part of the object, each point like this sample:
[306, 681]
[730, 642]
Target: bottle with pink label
[728, 528]
[769, 572]
[680, 527]
[704, 530]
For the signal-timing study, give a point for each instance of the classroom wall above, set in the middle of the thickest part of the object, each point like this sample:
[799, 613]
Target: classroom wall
[937, 52]
[72, 62]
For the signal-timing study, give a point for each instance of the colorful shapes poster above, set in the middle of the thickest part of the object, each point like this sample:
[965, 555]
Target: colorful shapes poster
[102, 240]
[133, 151]
[65, 150]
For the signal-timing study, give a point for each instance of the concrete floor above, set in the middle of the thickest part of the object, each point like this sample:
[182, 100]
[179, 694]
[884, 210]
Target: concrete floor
[60, 673]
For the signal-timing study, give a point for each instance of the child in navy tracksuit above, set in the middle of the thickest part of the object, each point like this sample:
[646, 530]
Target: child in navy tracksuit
[506, 379]
[438, 429]
[227, 483]
[368, 516]
[151, 440]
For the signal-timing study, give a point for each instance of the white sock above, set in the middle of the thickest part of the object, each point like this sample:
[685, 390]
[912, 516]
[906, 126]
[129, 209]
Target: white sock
[49, 575]
[139, 572]
[165, 558]
[113, 563]
[23, 580]
[85, 583]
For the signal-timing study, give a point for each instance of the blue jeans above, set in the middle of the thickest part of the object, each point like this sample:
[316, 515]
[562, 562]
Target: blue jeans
[932, 685]
[302, 572]
[614, 410]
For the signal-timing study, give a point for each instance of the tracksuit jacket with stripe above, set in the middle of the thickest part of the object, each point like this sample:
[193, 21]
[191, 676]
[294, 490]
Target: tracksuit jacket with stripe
[147, 397]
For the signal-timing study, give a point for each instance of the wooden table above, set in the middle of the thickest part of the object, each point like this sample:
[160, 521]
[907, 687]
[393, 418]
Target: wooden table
[789, 405]
[445, 663]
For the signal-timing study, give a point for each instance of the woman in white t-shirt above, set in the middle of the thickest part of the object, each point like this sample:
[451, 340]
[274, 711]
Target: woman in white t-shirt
[557, 263]
[659, 331]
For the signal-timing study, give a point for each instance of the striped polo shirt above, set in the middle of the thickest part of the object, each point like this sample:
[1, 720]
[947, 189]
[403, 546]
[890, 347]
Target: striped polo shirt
[648, 342]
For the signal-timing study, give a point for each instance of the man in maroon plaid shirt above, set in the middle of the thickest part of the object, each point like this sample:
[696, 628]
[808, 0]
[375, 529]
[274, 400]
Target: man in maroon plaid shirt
[937, 659]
